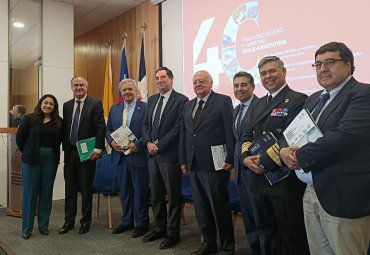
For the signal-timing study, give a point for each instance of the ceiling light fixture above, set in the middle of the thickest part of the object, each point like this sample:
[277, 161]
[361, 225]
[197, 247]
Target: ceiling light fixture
[18, 24]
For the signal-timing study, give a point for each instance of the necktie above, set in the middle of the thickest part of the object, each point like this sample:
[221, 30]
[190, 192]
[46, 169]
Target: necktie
[239, 119]
[74, 131]
[269, 98]
[198, 111]
[155, 126]
[323, 98]
[125, 115]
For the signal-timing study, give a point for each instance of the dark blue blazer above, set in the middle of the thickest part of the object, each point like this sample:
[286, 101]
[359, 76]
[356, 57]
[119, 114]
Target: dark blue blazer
[169, 126]
[339, 161]
[214, 127]
[138, 159]
[238, 134]
[92, 124]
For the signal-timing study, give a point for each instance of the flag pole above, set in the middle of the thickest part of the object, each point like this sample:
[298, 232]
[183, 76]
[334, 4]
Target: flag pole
[123, 74]
[142, 81]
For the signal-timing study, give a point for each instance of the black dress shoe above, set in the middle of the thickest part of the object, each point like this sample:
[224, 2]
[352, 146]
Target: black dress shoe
[139, 231]
[44, 232]
[66, 228]
[154, 235]
[169, 242]
[122, 228]
[84, 229]
[26, 236]
[202, 251]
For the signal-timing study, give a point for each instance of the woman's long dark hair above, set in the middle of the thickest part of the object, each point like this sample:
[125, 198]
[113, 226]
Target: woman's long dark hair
[54, 115]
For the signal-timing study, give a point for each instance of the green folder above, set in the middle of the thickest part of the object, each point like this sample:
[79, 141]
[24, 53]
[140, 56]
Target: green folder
[85, 148]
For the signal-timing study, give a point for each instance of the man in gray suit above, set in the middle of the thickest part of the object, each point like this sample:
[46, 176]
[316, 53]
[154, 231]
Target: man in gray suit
[243, 86]
[161, 130]
[207, 123]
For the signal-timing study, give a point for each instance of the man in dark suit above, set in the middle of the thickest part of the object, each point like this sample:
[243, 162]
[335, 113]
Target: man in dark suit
[281, 213]
[207, 123]
[336, 167]
[82, 118]
[161, 130]
[243, 86]
[131, 160]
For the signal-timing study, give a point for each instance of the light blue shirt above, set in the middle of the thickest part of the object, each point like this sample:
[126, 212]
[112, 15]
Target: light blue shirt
[245, 109]
[302, 175]
[130, 111]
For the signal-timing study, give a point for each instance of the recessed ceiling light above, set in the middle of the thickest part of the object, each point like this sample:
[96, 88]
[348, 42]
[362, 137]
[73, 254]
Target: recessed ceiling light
[18, 24]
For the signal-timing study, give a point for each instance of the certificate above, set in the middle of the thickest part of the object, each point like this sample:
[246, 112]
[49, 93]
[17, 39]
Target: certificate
[219, 156]
[302, 130]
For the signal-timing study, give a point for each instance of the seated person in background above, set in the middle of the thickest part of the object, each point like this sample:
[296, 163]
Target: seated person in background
[16, 115]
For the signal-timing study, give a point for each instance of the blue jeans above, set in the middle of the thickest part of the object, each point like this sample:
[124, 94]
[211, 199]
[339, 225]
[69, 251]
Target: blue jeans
[38, 183]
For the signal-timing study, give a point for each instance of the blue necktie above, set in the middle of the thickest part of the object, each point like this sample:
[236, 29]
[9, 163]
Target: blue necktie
[155, 126]
[74, 131]
[323, 98]
[198, 111]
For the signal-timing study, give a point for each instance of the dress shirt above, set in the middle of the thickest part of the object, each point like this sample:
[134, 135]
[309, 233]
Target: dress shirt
[302, 175]
[245, 109]
[204, 104]
[166, 96]
[130, 111]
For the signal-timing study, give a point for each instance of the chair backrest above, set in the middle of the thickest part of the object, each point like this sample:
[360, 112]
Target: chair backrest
[187, 196]
[105, 179]
[234, 199]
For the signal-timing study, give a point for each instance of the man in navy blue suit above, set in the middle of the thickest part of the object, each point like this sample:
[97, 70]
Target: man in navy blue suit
[131, 160]
[161, 131]
[336, 167]
[243, 86]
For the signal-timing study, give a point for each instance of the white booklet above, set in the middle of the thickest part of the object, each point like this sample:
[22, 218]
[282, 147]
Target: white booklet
[123, 136]
[219, 156]
[302, 130]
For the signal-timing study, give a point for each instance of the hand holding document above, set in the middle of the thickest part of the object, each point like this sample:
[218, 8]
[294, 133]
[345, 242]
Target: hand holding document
[85, 148]
[302, 130]
[123, 136]
[267, 149]
[219, 156]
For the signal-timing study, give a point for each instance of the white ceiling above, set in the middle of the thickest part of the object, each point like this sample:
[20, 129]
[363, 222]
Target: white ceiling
[88, 14]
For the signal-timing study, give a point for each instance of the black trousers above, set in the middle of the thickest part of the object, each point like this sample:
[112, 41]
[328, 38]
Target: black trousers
[78, 177]
[212, 210]
[289, 233]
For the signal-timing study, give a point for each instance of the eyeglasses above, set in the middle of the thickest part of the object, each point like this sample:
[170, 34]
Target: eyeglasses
[328, 63]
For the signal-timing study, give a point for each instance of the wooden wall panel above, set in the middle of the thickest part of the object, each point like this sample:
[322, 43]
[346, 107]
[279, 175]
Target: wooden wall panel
[91, 49]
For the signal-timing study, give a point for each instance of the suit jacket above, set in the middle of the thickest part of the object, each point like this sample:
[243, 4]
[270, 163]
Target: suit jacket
[28, 139]
[169, 126]
[92, 124]
[245, 124]
[268, 117]
[212, 128]
[137, 159]
[339, 161]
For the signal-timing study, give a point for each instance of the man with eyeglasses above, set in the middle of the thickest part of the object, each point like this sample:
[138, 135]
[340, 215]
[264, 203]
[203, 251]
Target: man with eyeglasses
[336, 167]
